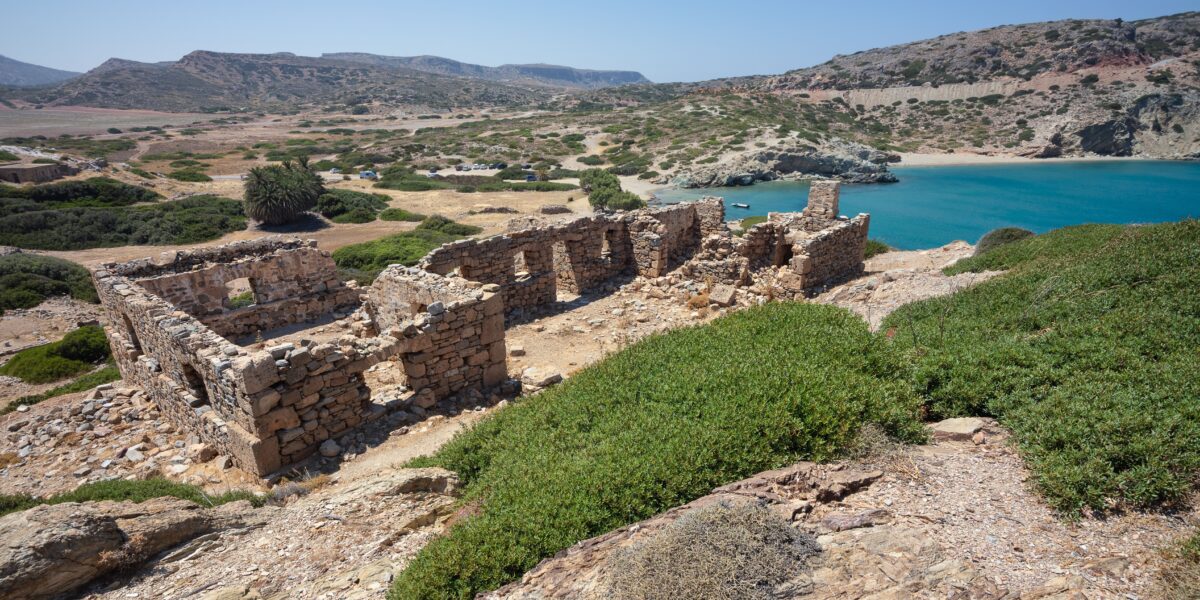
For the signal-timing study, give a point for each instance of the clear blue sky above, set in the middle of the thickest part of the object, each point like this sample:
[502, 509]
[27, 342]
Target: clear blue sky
[674, 40]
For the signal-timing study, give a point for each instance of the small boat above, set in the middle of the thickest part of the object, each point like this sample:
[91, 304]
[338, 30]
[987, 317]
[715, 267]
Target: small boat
[740, 205]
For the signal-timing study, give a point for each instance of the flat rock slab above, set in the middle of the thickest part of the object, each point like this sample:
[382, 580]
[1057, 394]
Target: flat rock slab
[722, 294]
[957, 429]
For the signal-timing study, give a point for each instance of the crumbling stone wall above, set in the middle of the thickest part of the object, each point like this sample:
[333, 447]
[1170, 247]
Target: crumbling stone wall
[831, 255]
[529, 265]
[266, 407]
[290, 282]
[450, 331]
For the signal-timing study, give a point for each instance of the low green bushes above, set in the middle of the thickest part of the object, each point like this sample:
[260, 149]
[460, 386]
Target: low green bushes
[999, 237]
[189, 175]
[76, 353]
[364, 261]
[399, 214]
[93, 192]
[106, 374]
[28, 224]
[28, 279]
[604, 191]
[348, 206]
[445, 225]
[125, 490]
[655, 426]
[875, 247]
[1086, 348]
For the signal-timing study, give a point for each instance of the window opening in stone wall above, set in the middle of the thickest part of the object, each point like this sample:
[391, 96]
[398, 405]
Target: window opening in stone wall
[239, 293]
[520, 266]
[195, 387]
[133, 338]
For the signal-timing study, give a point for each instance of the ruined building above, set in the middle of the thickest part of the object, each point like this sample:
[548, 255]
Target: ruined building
[229, 341]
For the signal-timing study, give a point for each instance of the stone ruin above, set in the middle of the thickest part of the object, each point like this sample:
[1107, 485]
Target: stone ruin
[229, 340]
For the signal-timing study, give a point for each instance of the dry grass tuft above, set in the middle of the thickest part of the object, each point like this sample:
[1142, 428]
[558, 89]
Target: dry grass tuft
[1180, 578]
[720, 552]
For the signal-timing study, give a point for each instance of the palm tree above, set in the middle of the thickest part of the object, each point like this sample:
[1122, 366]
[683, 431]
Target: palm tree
[279, 194]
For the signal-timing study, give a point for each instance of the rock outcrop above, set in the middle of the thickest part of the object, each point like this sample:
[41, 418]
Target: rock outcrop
[847, 161]
[53, 549]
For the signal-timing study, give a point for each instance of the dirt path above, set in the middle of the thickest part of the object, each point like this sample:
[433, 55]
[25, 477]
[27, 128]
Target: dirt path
[953, 519]
[893, 279]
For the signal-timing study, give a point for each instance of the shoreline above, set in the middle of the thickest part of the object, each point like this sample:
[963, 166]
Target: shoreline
[918, 159]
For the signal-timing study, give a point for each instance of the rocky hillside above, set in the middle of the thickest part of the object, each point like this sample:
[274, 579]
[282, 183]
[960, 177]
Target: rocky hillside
[1009, 51]
[536, 74]
[1063, 88]
[206, 80]
[20, 74]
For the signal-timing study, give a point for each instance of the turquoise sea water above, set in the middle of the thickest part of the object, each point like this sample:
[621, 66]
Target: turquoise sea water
[931, 206]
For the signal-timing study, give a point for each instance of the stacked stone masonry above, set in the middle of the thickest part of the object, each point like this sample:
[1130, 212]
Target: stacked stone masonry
[186, 325]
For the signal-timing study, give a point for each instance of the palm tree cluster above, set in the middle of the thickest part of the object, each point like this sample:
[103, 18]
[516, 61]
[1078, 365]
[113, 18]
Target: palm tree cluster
[278, 194]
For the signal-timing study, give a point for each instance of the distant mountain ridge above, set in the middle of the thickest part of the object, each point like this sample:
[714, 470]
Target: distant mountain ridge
[208, 81]
[22, 74]
[527, 74]
[212, 81]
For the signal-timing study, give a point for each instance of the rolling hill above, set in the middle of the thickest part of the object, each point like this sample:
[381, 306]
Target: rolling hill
[209, 81]
[21, 74]
[535, 74]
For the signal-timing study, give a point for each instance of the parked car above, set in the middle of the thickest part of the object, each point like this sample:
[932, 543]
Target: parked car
[531, 177]
[367, 175]
[526, 166]
[335, 171]
[500, 166]
[462, 167]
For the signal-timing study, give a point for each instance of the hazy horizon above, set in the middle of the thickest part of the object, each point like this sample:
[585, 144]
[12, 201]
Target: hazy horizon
[668, 41]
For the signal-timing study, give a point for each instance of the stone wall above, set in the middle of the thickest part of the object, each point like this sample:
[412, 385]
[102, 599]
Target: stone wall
[450, 331]
[289, 282]
[530, 265]
[832, 255]
[264, 407]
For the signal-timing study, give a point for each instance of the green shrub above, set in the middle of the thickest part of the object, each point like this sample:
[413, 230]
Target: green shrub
[999, 237]
[348, 206]
[875, 247]
[241, 300]
[592, 161]
[190, 175]
[279, 194]
[26, 280]
[364, 261]
[86, 344]
[655, 426]
[5, 155]
[28, 224]
[95, 191]
[399, 214]
[411, 185]
[604, 191]
[131, 491]
[447, 226]
[79, 351]
[1086, 348]
[104, 375]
